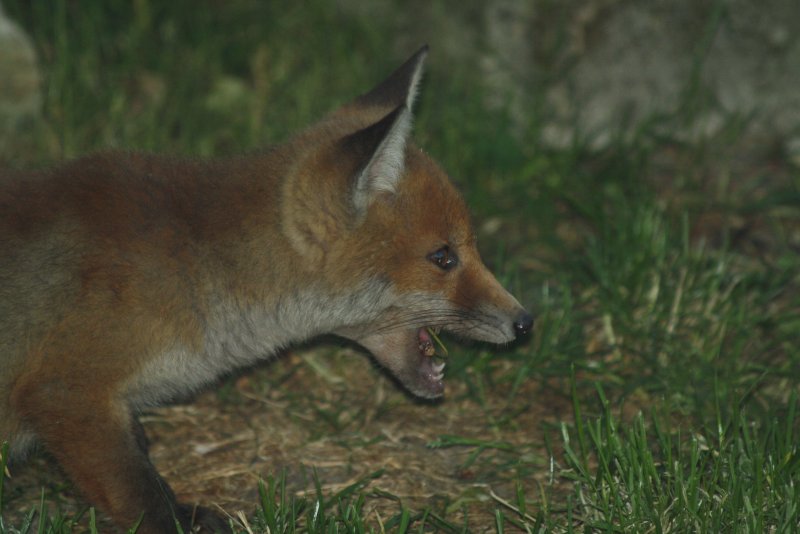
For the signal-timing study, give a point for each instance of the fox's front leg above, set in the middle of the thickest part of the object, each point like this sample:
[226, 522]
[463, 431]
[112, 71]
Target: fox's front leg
[101, 447]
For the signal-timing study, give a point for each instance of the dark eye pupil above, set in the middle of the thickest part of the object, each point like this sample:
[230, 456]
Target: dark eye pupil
[444, 258]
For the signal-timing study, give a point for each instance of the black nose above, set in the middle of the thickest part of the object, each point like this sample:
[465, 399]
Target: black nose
[523, 324]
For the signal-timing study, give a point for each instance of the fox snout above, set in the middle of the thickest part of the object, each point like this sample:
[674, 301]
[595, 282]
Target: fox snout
[495, 316]
[499, 326]
[523, 323]
[521, 320]
[465, 300]
[405, 339]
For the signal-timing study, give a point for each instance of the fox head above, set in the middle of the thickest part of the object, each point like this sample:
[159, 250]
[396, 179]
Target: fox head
[373, 213]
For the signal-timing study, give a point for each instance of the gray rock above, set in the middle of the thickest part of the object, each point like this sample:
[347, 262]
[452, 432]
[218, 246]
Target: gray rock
[704, 63]
[20, 80]
[601, 68]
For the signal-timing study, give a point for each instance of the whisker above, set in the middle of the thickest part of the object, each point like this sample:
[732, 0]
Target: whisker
[456, 320]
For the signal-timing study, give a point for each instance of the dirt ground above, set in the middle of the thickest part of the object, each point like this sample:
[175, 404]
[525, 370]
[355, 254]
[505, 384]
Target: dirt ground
[332, 411]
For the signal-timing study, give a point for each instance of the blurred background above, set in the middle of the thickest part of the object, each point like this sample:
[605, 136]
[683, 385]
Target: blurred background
[590, 69]
[633, 168]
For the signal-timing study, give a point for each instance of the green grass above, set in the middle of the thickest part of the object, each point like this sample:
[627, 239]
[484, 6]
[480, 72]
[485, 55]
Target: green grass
[673, 339]
[638, 476]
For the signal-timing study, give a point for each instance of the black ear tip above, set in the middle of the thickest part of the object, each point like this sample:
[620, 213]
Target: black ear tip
[399, 86]
[421, 54]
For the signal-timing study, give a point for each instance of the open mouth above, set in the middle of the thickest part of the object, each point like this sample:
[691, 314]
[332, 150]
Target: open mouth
[431, 362]
[414, 356]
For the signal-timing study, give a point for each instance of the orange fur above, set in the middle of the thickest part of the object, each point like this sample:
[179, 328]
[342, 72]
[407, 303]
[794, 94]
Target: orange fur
[128, 280]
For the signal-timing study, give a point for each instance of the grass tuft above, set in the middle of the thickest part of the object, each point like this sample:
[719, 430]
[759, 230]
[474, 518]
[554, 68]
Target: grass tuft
[636, 476]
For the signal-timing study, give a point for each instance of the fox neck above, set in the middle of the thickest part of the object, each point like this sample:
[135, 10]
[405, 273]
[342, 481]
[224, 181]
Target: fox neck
[240, 334]
[246, 332]
[257, 291]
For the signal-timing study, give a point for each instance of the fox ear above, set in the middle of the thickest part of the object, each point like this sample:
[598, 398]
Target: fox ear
[400, 87]
[382, 148]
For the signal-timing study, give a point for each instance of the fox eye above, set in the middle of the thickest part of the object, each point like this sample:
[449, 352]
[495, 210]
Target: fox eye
[444, 258]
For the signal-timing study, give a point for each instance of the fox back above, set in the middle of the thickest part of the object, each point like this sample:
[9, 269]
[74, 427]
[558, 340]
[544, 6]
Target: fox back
[128, 280]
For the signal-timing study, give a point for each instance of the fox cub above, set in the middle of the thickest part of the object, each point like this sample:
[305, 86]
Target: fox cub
[128, 280]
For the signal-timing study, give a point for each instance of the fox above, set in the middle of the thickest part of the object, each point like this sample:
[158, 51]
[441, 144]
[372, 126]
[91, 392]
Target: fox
[131, 280]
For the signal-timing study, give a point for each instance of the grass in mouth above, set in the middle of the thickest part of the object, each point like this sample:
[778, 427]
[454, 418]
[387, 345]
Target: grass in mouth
[439, 342]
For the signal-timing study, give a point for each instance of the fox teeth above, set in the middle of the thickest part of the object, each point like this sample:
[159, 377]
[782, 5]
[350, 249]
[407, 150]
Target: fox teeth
[438, 368]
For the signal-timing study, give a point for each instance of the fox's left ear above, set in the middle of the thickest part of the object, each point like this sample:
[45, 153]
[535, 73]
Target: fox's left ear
[382, 145]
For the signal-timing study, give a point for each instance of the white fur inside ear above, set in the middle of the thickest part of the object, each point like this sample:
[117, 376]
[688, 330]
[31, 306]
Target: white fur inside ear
[385, 170]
